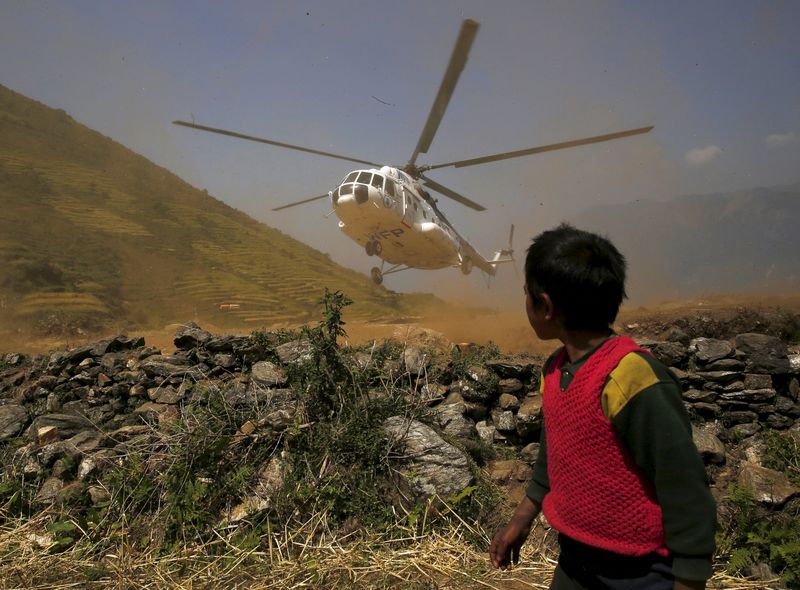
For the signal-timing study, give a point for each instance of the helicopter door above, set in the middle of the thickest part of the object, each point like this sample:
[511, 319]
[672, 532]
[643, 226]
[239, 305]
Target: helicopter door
[408, 209]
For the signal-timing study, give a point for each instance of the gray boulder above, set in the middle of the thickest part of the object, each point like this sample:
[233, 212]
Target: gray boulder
[13, 418]
[709, 446]
[268, 374]
[453, 421]
[429, 465]
[190, 336]
[295, 352]
[763, 354]
[769, 487]
[669, 353]
[67, 424]
[706, 350]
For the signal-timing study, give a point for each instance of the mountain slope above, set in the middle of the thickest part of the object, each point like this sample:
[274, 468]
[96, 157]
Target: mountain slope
[745, 241]
[93, 233]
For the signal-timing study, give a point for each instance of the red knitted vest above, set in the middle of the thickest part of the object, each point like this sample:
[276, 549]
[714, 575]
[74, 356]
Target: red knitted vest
[597, 494]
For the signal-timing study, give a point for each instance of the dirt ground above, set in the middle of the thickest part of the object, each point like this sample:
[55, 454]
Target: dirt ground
[720, 316]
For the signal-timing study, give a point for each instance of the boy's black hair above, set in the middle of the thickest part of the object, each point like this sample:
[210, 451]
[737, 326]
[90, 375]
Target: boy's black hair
[583, 273]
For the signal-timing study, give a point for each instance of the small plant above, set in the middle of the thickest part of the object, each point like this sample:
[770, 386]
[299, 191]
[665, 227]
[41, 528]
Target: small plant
[752, 534]
[460, 363]
[782, 453]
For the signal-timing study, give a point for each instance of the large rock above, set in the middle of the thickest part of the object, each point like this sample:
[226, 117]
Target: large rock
[763, 354]
[226, 343]
[529, 418]
[453, 420]
[270, 481]
[706, 350]
[295, 352]
[669, 353]
[13, 418]
[189, 336]
[508, 402]
[507, 470]
[162, 365]
[415, 360]
[508, 370]
[429, 465]
[67, 424]
[769, 486]
[268, 374]
[709, 446]
[49, 491]
[422, 338]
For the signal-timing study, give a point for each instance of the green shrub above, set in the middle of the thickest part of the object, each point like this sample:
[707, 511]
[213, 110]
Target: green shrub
[782, 453]
[752, 534]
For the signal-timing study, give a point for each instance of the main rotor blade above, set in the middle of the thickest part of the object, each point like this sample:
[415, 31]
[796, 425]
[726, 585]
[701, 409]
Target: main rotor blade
[303, 202]
[440, 188]
[277, 143]
[457, 62]
[538, 150]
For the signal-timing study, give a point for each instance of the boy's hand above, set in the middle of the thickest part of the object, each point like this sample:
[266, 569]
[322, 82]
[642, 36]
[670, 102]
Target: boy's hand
[504, 550]
[689, 585]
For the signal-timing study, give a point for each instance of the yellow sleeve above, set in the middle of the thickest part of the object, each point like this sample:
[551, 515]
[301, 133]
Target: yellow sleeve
[631, 376]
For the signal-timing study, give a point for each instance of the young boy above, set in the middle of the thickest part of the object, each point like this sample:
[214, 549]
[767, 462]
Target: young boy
[618, 474]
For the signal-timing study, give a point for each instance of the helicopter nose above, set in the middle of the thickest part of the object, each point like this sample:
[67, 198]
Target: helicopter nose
[350, 193]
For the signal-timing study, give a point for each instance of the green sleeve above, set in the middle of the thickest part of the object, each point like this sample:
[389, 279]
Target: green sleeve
[540, 484]
[655, 429]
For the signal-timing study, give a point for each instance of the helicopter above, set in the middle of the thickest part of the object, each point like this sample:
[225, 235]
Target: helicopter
[387, 209]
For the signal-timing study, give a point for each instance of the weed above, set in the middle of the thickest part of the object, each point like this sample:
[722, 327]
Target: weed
[782, 453]
[752, 534]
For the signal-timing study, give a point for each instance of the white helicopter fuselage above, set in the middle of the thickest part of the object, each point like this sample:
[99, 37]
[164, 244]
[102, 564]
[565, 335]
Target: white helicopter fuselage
[385, 211]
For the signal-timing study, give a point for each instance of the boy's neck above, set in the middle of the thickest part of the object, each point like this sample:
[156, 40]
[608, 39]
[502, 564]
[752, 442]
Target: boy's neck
[579, 343]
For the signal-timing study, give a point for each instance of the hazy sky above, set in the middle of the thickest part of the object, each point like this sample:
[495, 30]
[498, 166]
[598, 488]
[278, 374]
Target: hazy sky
[719, 80]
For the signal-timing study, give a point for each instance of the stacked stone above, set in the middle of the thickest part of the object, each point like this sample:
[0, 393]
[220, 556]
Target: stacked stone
[744, 385]
[497, 402]
[88, 405]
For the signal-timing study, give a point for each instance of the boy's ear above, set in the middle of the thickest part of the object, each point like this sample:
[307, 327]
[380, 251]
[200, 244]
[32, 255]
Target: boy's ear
[549, 308]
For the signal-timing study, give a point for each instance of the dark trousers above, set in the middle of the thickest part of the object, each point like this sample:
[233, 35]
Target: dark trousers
[581, 567]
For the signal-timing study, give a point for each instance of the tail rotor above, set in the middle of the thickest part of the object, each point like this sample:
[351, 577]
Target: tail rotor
[508, 253]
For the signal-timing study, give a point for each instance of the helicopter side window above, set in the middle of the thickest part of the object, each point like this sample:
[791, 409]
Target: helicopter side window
[390, 187]
[350, 177]
[364, 177]
[377, 181]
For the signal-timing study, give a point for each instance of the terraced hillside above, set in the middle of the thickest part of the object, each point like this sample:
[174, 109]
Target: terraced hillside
[94, 235]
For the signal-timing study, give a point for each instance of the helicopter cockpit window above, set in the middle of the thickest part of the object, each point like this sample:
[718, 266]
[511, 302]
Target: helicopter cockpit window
[390, 187]
[345, 189]
[377, 181]
[350, 177]
[364, 177]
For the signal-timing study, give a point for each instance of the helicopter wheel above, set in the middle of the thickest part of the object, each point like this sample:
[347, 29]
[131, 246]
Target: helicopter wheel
[466, 265]
[377, 248]
[377, 275]
[370, 248]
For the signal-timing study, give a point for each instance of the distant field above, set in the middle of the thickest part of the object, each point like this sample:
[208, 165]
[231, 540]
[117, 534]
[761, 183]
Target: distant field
[95, 237]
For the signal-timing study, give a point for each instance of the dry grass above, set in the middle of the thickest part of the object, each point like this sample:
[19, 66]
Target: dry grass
[308, 555]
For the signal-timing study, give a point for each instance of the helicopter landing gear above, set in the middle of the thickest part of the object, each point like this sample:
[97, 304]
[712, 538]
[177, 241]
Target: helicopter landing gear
[466, 265]
[373, 248]
[377, 274]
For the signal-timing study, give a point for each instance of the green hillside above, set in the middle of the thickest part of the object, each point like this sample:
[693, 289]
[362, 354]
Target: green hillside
[93, 234]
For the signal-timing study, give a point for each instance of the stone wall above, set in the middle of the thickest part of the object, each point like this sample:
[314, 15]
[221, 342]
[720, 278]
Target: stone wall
[85, 404]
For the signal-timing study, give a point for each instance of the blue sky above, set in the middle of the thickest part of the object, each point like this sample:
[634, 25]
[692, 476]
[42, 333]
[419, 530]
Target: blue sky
[720, 80]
